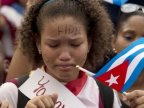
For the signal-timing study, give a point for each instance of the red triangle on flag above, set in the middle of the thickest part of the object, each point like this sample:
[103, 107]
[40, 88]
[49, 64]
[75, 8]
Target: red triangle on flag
[115, 77]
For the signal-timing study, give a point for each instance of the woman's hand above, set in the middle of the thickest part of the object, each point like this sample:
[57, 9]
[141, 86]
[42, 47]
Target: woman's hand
[43, 101]
[136, 98]
[5, 104]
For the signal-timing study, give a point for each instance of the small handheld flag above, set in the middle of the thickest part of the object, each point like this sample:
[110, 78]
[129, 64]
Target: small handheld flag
[121, 72]
[116, 2]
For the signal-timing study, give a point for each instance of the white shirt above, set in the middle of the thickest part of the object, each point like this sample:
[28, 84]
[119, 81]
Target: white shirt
[89, 95]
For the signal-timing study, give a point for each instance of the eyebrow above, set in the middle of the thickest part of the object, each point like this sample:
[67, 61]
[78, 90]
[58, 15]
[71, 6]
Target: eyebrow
[128, 30]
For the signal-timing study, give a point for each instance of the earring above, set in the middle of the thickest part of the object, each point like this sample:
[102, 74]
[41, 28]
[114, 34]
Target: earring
[114, 50]
[39, 51]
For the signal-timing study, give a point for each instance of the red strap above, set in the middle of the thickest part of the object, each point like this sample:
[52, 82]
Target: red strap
[14, 81]
[100, 102]
[75, 86]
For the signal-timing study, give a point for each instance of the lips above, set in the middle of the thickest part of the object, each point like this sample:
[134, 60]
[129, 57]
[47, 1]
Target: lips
[65, 67]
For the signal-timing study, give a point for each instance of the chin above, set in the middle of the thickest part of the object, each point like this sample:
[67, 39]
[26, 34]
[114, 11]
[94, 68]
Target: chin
[66, 77]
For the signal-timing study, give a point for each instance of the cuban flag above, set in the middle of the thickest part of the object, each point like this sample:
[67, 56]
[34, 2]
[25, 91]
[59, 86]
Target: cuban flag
[122, 71]
[116, 2]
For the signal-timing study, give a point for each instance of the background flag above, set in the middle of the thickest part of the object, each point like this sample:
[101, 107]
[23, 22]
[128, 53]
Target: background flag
[122, 71]
[116, 2]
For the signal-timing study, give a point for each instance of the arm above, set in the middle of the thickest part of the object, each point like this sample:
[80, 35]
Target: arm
[20, 65]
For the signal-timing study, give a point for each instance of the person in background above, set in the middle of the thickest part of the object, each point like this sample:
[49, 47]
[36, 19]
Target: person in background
[129, 28]
[27, 65]
[6, 2]
[14, 11]
[11, 15]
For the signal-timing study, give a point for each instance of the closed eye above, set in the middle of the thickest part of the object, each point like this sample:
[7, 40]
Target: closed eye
[76, 44]
[53, 45]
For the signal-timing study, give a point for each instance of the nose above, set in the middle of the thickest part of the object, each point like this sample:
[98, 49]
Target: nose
[64, 55]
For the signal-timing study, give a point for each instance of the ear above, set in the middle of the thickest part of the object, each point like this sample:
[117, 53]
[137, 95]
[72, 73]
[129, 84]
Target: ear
[38, 44]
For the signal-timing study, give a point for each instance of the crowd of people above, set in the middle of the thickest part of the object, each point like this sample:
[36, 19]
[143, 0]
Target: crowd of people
[55, 36]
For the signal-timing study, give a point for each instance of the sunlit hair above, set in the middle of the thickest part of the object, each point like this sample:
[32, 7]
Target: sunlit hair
[89, 13]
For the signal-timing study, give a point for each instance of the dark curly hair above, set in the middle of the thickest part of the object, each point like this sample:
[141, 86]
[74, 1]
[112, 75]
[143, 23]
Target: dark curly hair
[89, 12]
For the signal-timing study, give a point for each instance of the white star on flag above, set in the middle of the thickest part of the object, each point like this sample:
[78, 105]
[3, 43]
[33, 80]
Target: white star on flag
[112, 80]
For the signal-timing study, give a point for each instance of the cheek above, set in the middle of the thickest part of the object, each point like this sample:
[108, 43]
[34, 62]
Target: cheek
[48, 55]
[81, 56]
[120, 44]
[119, 47]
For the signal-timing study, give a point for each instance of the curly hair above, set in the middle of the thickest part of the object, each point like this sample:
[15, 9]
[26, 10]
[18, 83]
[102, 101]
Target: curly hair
[90, 12]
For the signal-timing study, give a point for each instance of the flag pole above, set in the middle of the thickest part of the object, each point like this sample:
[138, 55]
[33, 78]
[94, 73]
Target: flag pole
[84, 70]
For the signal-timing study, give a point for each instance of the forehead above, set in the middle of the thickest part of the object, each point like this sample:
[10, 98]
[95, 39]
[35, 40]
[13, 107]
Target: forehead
[62, 25]
[135, 20]
[134, 25]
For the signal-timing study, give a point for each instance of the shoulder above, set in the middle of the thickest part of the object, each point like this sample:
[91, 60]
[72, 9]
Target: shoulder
[8, 87]
[9, 91]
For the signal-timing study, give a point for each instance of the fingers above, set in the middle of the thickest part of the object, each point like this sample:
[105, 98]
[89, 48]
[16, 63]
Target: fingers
[135, 94]
[124, 99]
[4, 104]
[48, 101]
[43, 101]
[140, 106]
[137, 102]
[30, 105]
[54, 97]
[36, 102]
[136, 98]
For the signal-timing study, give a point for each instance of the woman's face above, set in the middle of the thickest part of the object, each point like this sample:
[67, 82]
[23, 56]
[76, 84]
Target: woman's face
[131, 30]
[63, 45]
